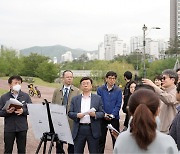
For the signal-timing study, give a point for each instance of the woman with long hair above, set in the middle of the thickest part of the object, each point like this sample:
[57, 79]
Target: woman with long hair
[142, 135]
[130, 88]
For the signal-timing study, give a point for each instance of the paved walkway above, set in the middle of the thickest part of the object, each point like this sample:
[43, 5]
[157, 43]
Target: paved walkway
[32, 143]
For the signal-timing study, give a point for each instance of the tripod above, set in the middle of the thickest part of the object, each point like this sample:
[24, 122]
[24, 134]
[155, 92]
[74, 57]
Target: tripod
[49, 136]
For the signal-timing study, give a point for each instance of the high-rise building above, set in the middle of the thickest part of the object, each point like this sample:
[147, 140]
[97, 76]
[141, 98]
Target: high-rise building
[55, 60]
[154, 49]
[67, 57]
[92, 56]
[101, 51]
[163, 46]
[109, 46]
[174, 19]
[136, 43]
[119, 47]
[112, 47]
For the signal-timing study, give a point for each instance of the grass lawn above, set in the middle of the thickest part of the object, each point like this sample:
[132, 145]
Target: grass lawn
[2, 91]
[38, 81]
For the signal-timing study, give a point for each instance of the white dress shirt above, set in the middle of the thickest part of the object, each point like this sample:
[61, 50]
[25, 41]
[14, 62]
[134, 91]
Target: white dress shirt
[85, 106]
[64, 89]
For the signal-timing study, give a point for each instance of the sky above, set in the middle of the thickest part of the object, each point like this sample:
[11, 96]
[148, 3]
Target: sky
[80, 23]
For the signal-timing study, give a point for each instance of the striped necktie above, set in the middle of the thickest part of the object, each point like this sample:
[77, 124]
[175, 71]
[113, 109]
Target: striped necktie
[65, 97]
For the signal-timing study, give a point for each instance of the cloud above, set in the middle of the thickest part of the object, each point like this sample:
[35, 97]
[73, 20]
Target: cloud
[78, 23]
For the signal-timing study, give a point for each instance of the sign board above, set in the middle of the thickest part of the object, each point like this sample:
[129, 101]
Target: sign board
[40, 124]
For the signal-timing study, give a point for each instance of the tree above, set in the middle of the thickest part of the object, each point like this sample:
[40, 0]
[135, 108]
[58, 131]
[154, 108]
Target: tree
[83, 58]
[156, 67]
[9, 63]
[118, 67]
[174, 47]
[31, 63]
[135, 59]
[47, 71]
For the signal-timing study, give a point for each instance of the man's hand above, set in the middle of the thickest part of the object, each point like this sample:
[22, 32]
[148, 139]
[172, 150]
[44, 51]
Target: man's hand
[92, 114]
[108, 116]
[148, 82]
[10, 110]
[80, 115]
[114, 133]
[19, 111]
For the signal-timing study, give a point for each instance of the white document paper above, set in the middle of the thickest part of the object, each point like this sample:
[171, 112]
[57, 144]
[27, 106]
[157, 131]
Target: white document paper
[11, 101]
[90, 110]
[109, 126]
[40, 124]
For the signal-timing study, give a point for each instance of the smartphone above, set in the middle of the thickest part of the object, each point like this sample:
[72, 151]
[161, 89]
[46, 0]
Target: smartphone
[110, 117]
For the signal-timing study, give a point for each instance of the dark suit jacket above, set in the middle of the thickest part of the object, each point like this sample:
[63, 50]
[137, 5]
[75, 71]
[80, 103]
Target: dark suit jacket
[75, 108]
[12, 121]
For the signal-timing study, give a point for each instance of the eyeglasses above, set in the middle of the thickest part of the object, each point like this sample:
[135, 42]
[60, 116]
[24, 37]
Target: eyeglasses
[111, 78]
[85, 83]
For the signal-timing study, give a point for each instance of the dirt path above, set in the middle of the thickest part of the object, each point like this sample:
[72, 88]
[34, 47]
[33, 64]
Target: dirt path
[32, 143]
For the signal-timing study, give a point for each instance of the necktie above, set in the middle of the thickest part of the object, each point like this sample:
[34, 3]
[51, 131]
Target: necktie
[65, 98]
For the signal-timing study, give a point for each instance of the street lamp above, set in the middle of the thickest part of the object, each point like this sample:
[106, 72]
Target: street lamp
[137, 51]
[144, 28]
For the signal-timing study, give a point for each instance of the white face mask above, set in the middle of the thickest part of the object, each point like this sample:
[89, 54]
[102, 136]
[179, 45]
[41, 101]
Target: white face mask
[17, 88]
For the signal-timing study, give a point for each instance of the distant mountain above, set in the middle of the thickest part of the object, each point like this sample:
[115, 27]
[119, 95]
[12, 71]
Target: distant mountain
[54, 51]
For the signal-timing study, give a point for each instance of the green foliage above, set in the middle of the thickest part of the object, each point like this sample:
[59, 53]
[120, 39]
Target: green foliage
[134, 58]
[83, 58]
[156, 67]
[99, 69]
[31, 63]
[174, 47]
[75, 65]
[81, 65]
[38, 81]
[36, 65]
[2, 91]
[47, 71]
[9, 63]
[76, 81]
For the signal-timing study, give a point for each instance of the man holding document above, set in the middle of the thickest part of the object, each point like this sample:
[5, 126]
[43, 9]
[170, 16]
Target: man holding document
[86, 111]
[14, 110]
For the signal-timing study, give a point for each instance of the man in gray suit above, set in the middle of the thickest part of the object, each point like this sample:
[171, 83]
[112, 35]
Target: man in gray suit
[63, 96]
[86, 111]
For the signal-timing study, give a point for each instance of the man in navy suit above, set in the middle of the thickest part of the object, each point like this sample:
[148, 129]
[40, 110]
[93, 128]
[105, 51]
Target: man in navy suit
[86, 112]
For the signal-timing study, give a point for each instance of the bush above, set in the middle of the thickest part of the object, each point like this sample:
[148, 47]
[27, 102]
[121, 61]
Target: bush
[28, 79]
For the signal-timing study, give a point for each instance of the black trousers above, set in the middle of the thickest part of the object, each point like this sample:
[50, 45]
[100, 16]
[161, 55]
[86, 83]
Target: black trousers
[9, 138]
[85, 135]
[59, 148]
[126, 121]
[104, 129]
